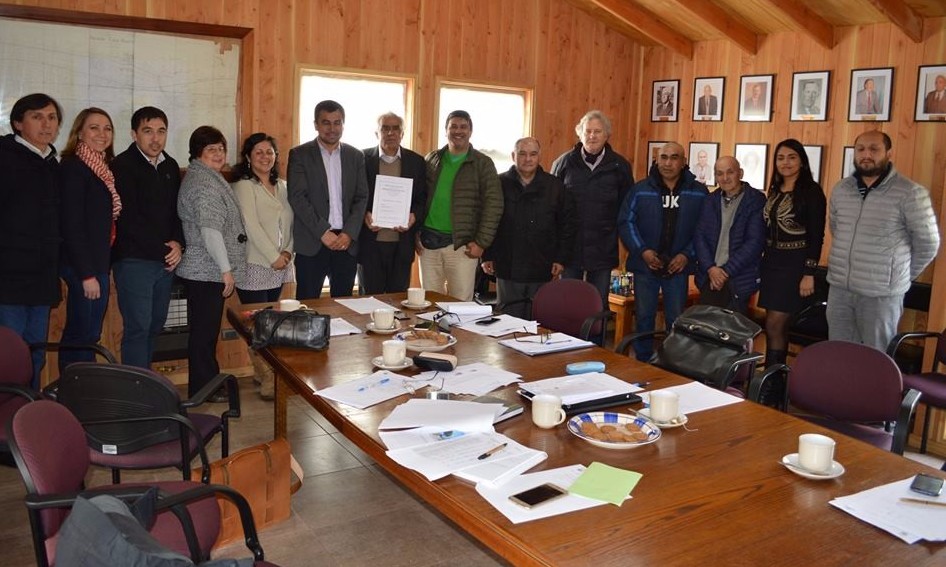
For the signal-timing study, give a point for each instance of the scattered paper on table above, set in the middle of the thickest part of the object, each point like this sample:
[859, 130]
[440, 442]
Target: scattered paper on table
[696, 397]
[364, 305]
[367, 390]
[579, 388]
[475, 379]
[447, 414]
[881, 506]
[607, 483]
[438, 459]
[535, 345]
[342, 327]
[504, 325]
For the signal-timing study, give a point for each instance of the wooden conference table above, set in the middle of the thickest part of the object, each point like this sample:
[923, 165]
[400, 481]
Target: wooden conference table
[714, 495]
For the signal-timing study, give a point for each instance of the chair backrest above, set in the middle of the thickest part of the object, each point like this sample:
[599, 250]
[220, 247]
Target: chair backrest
[847, 382]
[98, 392]
[563, 305]
[49, 448]
[16, 364]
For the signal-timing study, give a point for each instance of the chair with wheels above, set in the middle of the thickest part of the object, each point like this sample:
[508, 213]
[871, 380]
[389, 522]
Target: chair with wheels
[931, 384]
[848, 387]
[49, 447]
[135, 419]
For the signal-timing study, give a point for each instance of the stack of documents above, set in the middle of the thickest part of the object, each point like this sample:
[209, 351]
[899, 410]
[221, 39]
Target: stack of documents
[368, 390]
[503, 325]
[475, 379]
[885, 507]
[535, 345]
[579, 388]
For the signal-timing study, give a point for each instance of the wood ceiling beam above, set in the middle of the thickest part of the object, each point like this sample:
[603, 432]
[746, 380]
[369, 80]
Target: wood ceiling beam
[645, 22]
[903, 16]
[719, 19]
[808, 21]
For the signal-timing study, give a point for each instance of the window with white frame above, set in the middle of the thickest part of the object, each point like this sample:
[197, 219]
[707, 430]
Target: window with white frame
[501, 115]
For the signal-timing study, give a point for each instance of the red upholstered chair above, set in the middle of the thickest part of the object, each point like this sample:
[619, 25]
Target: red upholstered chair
[135, 419]
[850, 388]
[49, 447]
[931, 384]
[572, 307]
[16, 371]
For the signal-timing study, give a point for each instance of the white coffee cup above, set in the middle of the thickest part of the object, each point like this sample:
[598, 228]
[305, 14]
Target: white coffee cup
[815, 452]
[383, 318]
[547, 411]
[393, 352]
[289, 304]
[415, 295]
[664, 406]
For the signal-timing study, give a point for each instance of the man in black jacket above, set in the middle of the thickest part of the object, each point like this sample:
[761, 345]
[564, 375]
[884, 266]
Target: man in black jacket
[597, 178]
[148, 236]
[536, 234]
[385, 255]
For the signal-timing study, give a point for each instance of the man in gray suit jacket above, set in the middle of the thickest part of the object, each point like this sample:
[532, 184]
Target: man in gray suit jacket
[328, 192]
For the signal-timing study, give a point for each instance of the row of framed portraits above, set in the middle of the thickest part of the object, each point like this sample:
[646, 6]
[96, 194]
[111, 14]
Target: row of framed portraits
[754, 159]
[869, 99]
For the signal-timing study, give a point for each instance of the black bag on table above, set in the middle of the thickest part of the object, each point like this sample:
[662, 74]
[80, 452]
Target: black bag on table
[705, 342]
[302, 328]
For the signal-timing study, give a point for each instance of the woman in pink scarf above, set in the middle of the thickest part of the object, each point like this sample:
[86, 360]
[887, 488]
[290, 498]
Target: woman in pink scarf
[90, 206]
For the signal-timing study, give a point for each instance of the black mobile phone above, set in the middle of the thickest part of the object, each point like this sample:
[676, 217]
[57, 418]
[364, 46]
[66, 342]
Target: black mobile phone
[401, 316]
[926, 484]
[538, 495]
[489, 321]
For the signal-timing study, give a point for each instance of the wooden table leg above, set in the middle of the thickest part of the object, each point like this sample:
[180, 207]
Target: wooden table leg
[281, 409]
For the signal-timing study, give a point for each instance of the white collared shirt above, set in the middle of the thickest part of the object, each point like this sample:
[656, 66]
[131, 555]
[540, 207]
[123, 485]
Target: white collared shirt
[34, 149]
[154, 163]
[597, 162]
[333, 173]
[389, 159]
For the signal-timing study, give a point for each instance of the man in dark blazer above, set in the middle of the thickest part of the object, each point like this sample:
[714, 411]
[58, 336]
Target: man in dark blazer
[708, 104]
[385, 255]
[328, 192]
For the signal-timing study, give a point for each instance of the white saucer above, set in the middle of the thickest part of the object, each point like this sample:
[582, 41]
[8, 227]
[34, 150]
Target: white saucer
[423, 305]
[391, 331]
[379, 362]
[679, 421]
[791, 463]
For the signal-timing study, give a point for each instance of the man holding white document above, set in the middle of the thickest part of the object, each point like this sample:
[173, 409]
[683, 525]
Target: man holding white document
[397, 192]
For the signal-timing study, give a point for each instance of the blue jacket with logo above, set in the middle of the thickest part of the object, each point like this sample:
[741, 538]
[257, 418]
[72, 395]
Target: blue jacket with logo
[641, 218]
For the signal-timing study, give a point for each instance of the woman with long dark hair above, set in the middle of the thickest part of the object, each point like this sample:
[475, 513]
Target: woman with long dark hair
[795, 219]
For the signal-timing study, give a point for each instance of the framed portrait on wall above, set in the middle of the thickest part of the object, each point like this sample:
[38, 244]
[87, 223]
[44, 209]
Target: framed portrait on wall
[653, 151]
[931, 93]
[666, 101]
[814, 160]
[870, 95]
[702, 159]
[847, 162]
[755, 98]
[708, 99]
[810, 95]
[753, 159]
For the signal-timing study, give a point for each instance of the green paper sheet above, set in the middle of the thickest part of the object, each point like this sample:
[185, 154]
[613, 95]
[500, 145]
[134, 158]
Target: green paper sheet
[606, 483]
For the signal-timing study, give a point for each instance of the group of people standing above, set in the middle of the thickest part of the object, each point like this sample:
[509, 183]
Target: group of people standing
[92, 213]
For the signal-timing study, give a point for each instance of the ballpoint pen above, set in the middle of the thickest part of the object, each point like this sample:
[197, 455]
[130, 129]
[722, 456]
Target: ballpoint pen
[919, 501]
[492, 451]
[380, 382]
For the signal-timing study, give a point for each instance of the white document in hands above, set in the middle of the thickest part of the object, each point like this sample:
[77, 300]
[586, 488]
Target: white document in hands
[392, 201]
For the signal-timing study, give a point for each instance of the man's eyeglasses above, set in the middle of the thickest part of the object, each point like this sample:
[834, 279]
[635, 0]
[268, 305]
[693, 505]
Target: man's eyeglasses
[527, 337]
[387, 129]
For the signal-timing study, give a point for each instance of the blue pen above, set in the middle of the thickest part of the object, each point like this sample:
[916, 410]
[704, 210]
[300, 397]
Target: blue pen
[378, 383]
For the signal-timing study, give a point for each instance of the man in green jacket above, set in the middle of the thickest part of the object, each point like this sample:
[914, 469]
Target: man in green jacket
[463, 211]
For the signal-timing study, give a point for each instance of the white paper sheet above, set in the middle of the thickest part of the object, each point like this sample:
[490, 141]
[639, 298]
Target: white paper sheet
[696, 397]
[881, 506]
[556, 342]
[476, 379]
[391, 207]
[364, 305]
[342, 327]
[465, 308]
[446, 414]
[437, 460]
[498, 496]
[581, 387]
[367, 390]
[505, 325]
[405, 438]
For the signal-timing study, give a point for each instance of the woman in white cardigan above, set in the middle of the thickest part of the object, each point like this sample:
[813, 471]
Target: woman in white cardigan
[267, 216]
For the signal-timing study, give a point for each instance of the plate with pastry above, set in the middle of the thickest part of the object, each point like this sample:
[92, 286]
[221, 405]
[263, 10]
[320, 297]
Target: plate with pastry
[610, 430]
[425, 340]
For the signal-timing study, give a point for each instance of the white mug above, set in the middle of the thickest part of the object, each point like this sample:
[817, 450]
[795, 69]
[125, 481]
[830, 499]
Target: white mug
[289, 304]
[415, 295]
[383, 318]
[547, 411]
[664, 406]
[815, 452]
[393, 352]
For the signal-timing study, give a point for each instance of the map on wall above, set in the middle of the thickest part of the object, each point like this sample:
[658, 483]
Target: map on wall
[193, 80]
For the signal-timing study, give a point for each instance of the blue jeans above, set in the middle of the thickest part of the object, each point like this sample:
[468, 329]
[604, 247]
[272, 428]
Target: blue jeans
[83, 318]
[32, 323]
[144, 294]
[647, 288]
[601, 279]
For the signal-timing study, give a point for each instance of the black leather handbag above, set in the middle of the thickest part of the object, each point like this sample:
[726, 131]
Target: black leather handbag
[302, 328]
[708, 343]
